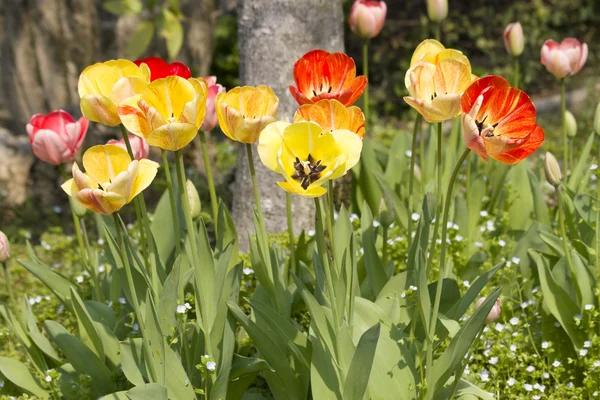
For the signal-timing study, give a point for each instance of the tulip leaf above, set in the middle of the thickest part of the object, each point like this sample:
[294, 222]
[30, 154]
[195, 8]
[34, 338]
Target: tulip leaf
[587, 207]
[369, 166]
[376, 274]
[121, 7]
[140, 39]
[149, 391]
[575, 180]
[226, 234]
[87, 331]
[19, 374]
[172, 31]
[362, 362]
[461, 306]
[540, 207]
[58, 284]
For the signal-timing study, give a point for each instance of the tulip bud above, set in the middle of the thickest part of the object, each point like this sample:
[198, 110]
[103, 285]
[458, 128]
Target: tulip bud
[571, 124]
[386, 212]
[552, 170]
[597, 120]
[513, 39]
[194, 198]
[77, 208]
[4, 248]
[437, 10]
[494, 312]
[367, 17]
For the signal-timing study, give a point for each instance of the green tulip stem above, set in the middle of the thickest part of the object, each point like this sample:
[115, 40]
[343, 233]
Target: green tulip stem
[209, 177]
[290, 227]
[92, 266]
[365, 56]
[563, 110]
[516, 72]
[438, 195]
[260, 230]
[9, 288]
[331, 217]
[322, 249]
[411, 181]
[443, 272]
[172, 201]
[565, 241]
[134, 297]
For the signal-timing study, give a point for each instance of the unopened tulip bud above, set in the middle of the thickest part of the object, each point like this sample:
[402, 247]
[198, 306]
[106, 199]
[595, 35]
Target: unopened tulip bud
[194, 198]
[367, 17]
[77, 208]
[437, 10]
[552, 170]
[386, 212]
[597, 120]
[513, 39]
[494, 312]
[571, 124]
[4, 248]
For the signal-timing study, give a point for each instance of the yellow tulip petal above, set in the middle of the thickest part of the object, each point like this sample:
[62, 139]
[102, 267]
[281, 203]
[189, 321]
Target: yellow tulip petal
[300, 140]
[103, 163]
[420, 82]
[194, 112]
[99, 108]
[169, 96]
[146, 173]
[447, 105]
[67, 187]
[452, 54]
[101, 77]
[200, 85]
[122, 184]
[451, 77]
[269, 144]
[426, 51]
[311, 192]
[350, 144]
[173, 136]
[100, 201]
[426, 109]
[127, 87]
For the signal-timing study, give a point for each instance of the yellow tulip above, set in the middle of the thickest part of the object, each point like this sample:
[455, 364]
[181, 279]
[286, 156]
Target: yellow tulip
[307, 156]
[436, 80]
[103, 86]
[332, 115]
[111, 179]
[168, 113]
[243, 112]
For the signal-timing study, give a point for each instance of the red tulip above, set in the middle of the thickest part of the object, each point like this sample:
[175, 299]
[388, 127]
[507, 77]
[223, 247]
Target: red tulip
[367, 17]
[499, 121]
[323, 75]
[563, 59]
[210, 120]
[160, 69]
[56, 137]
[139, 146]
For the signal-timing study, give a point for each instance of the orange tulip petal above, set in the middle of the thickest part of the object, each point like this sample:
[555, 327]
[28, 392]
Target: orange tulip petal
[359, 84]
[533, 142]
[478, 88]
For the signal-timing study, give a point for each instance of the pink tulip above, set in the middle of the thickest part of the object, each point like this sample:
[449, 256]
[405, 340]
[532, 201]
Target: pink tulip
[513, 39]
[563, 59]
[56, 137]
[4, 248]
[367, 17]
[210, 121]
[494, 312]
[139, 146]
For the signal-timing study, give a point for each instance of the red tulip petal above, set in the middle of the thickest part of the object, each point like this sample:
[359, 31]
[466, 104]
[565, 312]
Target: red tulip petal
[339, 72]
[479, 87]
[180, 69]
[533, 142]
[308, 71]
[359, 84]
[510, 110]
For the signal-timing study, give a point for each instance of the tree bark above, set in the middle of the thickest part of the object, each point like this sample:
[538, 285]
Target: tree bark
[273, 34]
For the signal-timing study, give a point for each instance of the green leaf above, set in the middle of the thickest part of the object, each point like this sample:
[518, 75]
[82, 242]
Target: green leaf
[539, 202]
[243, 373]
[149, 391]
[156, 340]
[162, 224]
[87, 330]
[205, 279]
[120, 7]
[82, 358]
[453, 356]
[172, 31]
[36, 336]
[362, 361]
[463, 389]
[17, 373]
[226, 234]
[140, 39]
[575, 181]
[168, 299]
[366, 180]
[133, 361]
[521, 208]
[587, 207]
[459, 309]
[375, 271]
[59, 285]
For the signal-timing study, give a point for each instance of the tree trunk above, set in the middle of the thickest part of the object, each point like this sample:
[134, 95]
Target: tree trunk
[273, 34]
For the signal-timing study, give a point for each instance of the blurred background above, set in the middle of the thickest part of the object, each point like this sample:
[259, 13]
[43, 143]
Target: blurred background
[45, 44]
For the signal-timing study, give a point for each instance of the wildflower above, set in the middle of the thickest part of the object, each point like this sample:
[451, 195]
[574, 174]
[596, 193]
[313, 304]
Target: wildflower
[493, 360]
[587, 344]
[514, 321]
[248, 271]
[516, 260]
[511, 382]
[556, 364]
[415, 216]
[583, 352]
[545, 345]
[211, 365]
[530, 369]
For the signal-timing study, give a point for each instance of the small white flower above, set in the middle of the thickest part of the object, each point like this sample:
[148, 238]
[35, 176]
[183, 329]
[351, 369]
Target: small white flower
[101, 268]
[403, 295]
[483, 213]
[535, 397]
[499, 327]
[493, 360]
[376, 223]
[415, 216]
[122, 300]
[594, 167]
[587, 344]
[413, 288]
[545, 375]
[530, 369]
[545, 345]
[467, 284]
[511, 382]
[135, 327]
[459, 238]
[516, 260]
[79, 279]
[211, 365]
[484, 376]
[588, 307]
[513, 347]
[248, 271]
[181, 309]
[583, 352]
[596, 364]
[48, 378]
[353, 217]
[408, 153]
[501, 243]
[595, 394]
[38, 299]
[528, 387]
[101, 242]
[310, 232]
[514, 321]
[478, 244]
[556, 364]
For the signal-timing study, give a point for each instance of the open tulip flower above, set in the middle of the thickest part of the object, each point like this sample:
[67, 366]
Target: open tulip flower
[168, 113]
[243, 112]
[321, 75]
[307, 156]
[103, 86]
[332, 115]
[564, 59]
[159, 68]
[210, 121]
[436, 80]
[56, 137]
[499, 121]
[111, 179]
[139, 146]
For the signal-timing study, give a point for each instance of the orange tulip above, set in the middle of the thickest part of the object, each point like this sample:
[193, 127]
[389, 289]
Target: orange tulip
[499, 121]
[332, 115]
[323, 75]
